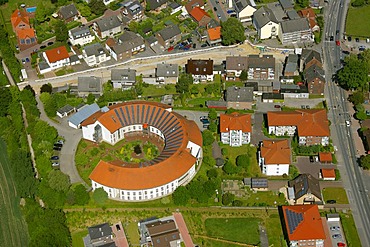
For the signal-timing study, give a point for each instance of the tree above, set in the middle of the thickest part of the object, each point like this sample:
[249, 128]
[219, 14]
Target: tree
[365, 162]
[59, 181]
[5, 100]
[303, 3]
[180, 196]
[243, 75]
[225, 152]
[29, 88]
[357, 98]
[41, 12]
[212, 173]
[97, 7]
[232, 32]
[227, 198]
[212, 114]
[61, 31]
[361, 115]
[100, 196]
[46, 88]
[81, 195]
[208, 137]
[71, 197]
[183, 83]
[242, 160]
[212, 127]
[230, 168]
[90, 99]
[354, 74]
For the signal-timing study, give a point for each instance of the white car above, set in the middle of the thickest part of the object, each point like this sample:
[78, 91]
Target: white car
[348, 123]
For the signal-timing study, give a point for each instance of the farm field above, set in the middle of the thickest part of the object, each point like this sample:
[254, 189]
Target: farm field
[13, 229]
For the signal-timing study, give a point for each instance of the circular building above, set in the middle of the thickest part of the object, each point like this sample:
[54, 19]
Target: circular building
[148, 180]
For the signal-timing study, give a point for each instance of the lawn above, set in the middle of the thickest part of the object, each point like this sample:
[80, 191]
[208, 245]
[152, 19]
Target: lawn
[350, 230]
[153, 90]
[3, 78]
[201, 101]
[338, 194]
[356, 24]
[243, 230]
[275, 231]
[132, 233]
[77, 240]
[265, 198]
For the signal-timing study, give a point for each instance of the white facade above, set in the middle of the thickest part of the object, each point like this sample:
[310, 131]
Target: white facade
[296, 95]
[304, 139]
[235, 138]
[312, 242]
[107, 2]
[246, 14]
[58, 64]
[272, 169]
[81, 40]
[270, 30]
[202, 78]
[282, 130]
[95, 60]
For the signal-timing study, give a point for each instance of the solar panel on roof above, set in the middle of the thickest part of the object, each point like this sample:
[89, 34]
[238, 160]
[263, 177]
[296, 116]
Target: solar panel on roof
[128, 115]
[156, 114]
[138, 114]
[119, 117]
[133, 115]
[147, 114]
[160, 118]
[294, 219]
[151, 115]
[161, 123]
[123, 116]
[142, 113]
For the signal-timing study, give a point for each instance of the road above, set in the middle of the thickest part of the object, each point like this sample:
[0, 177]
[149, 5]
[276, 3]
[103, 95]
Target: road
[218, 11]
[341, 134]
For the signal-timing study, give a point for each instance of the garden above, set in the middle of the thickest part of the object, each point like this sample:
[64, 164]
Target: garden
[337, 194]
[137, 151]
[356, 24]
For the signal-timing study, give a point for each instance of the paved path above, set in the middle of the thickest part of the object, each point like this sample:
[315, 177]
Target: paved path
[120, 237]
[183, 230]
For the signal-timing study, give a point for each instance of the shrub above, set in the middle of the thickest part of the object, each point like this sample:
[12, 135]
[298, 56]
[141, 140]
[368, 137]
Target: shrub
[227, 198]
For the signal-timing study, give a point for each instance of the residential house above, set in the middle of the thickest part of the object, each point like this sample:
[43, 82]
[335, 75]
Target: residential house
[311, 126]
[291, 65]
[294, 91]
[167, 73]
[201, 70]
[65, 111]
[82, 114]
[175, 7]
[304, 189]
[240, 98]
[266, 24]
[244, 9]
[156, 5]
[57, 58]
[328, 174]
[303, 225]
[159, 232]
[80, 36]
[188, 7]
[123, 78]
[68, 13]
[296, 30]
[261, 68]
[99, 235]
[325, 157]
[315, 79]
[26, 35]
[235, 65]
[169, 36]
[89, 85]
[308, 58]
[235, 129]
[107, 26]
[274, 157]
[127, 45]
[95, 54]
[311, 16]
[292, 14]
[200, 16]
[286, 5]
[214, 36]
[133, 10]
[20, 20]
[260, 87]
[256, 184]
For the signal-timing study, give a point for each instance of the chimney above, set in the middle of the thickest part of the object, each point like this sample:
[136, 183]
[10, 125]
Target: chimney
[58, 51]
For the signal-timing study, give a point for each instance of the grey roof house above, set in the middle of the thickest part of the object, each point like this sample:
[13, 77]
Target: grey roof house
[127, 45]
[167, 73]
[156, 4]
[65, 111]
[107, 26]
[68, 13]
[80, 36]
[265, 22]
[123, 78]
[286, 4]
[261, 68]
[240, 98]
[235, 65]
[169, 36]
[133, 10]
[95, 54]
[291, 65]
[89, 84]
[99, 235]
[296, 30]
[244, 9]
[85, 112]
[306, 189]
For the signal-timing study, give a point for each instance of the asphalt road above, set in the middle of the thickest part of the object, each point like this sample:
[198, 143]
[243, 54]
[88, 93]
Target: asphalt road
[219, 11]
[341, 134]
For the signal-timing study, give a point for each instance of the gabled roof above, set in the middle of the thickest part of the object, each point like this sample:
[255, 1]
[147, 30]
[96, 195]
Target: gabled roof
[19, 15]
[240, 5]
[291, 63]
[308, 54]
[295, 25]
[68, 11]
[167, 70]
[262, 16]
[169, 32]
[130, 40]
[235, 121]
[313, 72]
[239, 94]
[214, 33]
[27, 32]
[91, 84]
[236, 63]
[84, 113]
[80, 32]
[308, 12]
[65, 109]
[123, 75]
[303, 222]
[310, 122]
[199, 67]
[198, 14]
[276, 152]
[95, 49]
[325, 157]
[264, 62]
[57, 54]
[100, 231]
[286, 4]
[305, 184]
[328, 173]
[153, 4]
[192, 4]
[108, 23]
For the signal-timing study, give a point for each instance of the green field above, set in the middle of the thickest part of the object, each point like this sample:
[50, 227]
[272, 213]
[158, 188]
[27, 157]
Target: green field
[358, 22]
[243, 230]
[77, 240]
[275, 231]
[13, 229]
[338, 194]
[350, 230]
[3, 78]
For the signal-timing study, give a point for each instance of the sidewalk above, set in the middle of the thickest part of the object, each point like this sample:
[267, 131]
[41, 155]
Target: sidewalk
[183, 230]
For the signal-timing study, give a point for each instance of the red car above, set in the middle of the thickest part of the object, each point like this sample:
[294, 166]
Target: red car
[170, 49]
[340, 244]
[337, 43]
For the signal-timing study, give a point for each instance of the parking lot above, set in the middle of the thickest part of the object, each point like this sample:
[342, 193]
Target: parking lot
[305, 166]
[336, 233]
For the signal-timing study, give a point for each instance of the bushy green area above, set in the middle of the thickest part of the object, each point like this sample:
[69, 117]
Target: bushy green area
[7, 54]
[53, 102]
[3, 79]
[350, 230]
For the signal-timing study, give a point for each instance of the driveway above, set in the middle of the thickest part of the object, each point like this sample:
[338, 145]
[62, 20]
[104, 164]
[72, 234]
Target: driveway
[305, 166]
[297, 103]
[72, 137]
[193, 115]
[181, 225]
[257, 133]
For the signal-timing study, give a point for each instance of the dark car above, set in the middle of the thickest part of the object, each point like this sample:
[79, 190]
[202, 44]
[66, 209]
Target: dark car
[277, 106]
[349, 38]
[346, 52]
[335, 236]
[331, 38]
[361, 48]
[50, 43]
[205, 121]
[204, 45]
[214, 8]
[43, 47]
[357, 40]
[54, 157]
[194, 46]
[57, 148]
[311, 159]
[331, 201]
[337, 32]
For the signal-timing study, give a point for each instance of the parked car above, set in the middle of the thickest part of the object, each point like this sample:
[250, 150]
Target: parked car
[54, 157]
[194, 46]
[277, 106]
[214, 8]
[348, 123]
[331, 201]
[331, 38]
[43, 47]
[346, 52]
[357, 40]
[57, 148]
[337, 42]
[341, 244]
[230, 11]
[50, 43]
[219, 16]
[335, 236]
[203, 117]
[349, 38]
[55, 164]
[361, 48]
[204, 45]
[205, 121]
[334, 228]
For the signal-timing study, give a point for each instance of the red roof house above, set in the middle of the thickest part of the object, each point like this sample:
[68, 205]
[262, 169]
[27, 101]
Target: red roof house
[200, 16]
[328, 174]
[325, 157]
[26, 36]
[235, 129]
[311, 16]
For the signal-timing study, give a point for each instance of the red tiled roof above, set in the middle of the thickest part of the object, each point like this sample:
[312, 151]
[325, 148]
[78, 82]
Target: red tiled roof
[18, 16]
[214, 33]
[325, 157]
[24, 33]
[235, 121]
[275, 152]
[328, 173]
[192, 4]
[308, 12]
[308, 122]
[305, 222]
[57, 54]
[198, 14]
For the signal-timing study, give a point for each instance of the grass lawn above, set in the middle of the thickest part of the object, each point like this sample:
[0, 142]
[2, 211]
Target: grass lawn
[356, 24]
[77, 238]
[3, 78]
[338, 194]
[244, 230]
[132, 233]
[350, 230]
[265, 198]
[201, 101]
[154, 90]
[234, 83]
[275, 231]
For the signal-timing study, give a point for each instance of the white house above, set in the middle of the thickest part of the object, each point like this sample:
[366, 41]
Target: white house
[266, 24]
[57, 57]
[296, 30]
[235, 129]
[201, 70]
[244, 9]
[235, 65]
[274, 157]
[80, 36]
[95, 54]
